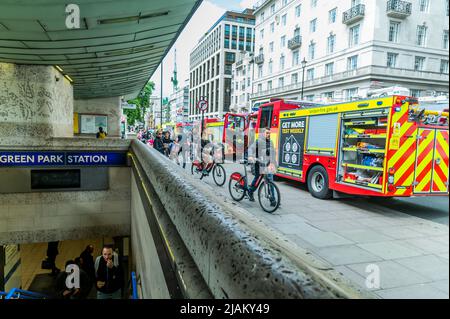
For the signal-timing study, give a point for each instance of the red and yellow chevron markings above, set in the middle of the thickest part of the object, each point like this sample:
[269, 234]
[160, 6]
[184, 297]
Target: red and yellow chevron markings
[424, 163]
[403, 159]
[440, 173]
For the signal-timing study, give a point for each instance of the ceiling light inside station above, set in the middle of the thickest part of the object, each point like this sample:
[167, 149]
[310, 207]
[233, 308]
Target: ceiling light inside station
[132, 18]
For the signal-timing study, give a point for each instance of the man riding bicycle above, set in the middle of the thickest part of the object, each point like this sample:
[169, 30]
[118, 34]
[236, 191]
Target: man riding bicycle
[262, 154]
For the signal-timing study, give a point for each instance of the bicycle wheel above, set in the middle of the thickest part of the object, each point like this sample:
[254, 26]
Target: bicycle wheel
[269, 196]
[196, 172]
[236, 189]
[219, 175]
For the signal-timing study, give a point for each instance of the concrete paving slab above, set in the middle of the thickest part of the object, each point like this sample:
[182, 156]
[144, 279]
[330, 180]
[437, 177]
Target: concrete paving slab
[441, 239]
[392, 274]
[336, 225]
[390, 250]
[443, 256]
[429, 266]
[324, 239]
[294, 228]
[421, 291]
[428, 246]
[362, 236]
[353, 276]
[430, 229]
[441, 285]
[400, 232]
[348, 254]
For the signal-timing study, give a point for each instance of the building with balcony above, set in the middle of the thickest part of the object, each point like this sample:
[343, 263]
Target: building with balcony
[211, 62]
[241, 85]
[349, 47]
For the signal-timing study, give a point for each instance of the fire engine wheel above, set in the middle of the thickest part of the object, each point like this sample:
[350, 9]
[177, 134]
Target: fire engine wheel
[318, 183]
[236, 190]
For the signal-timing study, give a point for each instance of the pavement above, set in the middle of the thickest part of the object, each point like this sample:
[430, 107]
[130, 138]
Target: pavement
[405, 241]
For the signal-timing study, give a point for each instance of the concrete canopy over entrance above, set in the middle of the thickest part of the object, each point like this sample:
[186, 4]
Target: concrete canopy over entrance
[117, 47]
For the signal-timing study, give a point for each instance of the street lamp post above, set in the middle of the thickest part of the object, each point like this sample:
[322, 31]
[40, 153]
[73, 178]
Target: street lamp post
[303, 76]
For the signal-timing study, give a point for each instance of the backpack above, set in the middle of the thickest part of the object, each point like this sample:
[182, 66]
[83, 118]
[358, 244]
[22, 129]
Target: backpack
[115, 262]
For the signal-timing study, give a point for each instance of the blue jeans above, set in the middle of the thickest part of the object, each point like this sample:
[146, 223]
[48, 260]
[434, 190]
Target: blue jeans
[114, 295]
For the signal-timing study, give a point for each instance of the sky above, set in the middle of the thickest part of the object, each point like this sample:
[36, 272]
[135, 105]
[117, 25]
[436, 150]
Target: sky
[203, 19]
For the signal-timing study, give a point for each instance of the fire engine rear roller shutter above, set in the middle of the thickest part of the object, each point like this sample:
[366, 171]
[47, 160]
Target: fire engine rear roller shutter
[322, 133]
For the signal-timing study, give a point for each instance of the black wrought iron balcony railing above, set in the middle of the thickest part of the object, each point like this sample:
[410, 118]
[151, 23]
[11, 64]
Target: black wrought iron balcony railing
[354, 14]
[398, 9]
[295, 42]
[259, 59]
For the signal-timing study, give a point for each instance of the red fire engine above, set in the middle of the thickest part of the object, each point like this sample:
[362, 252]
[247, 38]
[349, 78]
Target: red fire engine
[379, 147]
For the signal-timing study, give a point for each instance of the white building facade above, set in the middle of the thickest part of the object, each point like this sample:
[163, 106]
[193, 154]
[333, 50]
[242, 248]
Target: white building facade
[179, 104]
[241, 86]
[343, 49]
[211, 62]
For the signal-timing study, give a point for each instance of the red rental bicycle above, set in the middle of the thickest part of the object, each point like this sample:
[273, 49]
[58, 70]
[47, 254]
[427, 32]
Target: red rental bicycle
[268, 193]
[218, 172]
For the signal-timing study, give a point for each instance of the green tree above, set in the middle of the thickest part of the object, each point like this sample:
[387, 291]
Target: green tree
[142, 102]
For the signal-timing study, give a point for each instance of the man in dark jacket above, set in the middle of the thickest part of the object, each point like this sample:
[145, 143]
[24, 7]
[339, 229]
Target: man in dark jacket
[88, 262]
[262, 154]
[109, 275]
[158, 143]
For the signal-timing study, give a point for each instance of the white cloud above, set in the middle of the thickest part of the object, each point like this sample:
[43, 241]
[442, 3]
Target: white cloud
[247, 3]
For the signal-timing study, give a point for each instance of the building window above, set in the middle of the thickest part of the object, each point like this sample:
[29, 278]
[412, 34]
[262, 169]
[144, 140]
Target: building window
[280, 82]
[261, 34]
[269, 85]
[444, 66]
[313, 3]
[227, 30]
[351, 93]
[394, 29]
[424, 5]
[352, 63]
[328, 95]
[354, 35]
[391, 60]
[298, 10]
[294, 78]
[310, 74]
[259, 88]
[282, 62]
[329, 69]
[312, 51]
[272, 27]
[415, 93]
[421, 35]
[260, 71]
[295, 58]
[270, 67]
[262, 16]
[332, 15]
[271, 47]
[272, 9]
[419, 63]
[283, 41]
[331, 40]
[312, 26]
[310, 97]
[285, 2]
[445, 40]
[283, 20]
